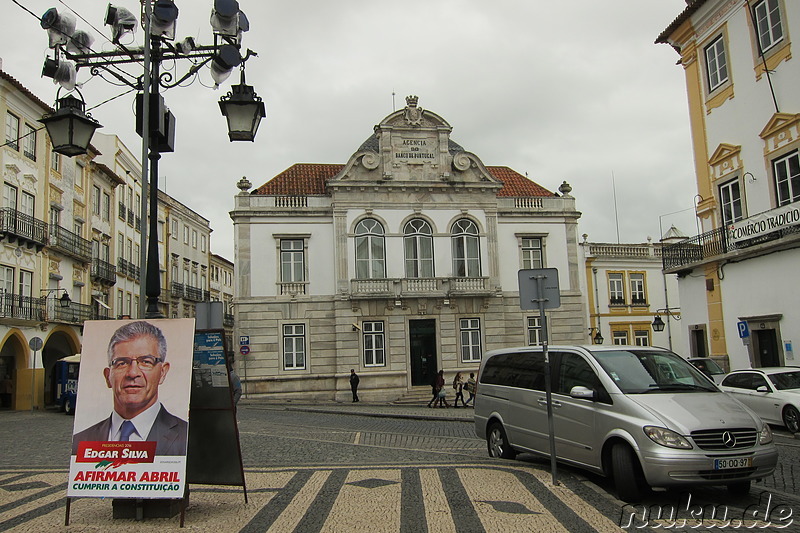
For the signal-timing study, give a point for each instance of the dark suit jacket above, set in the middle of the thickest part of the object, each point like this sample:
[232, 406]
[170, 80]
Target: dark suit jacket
[168, 430]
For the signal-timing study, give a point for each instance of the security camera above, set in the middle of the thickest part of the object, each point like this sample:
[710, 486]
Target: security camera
[356, 327]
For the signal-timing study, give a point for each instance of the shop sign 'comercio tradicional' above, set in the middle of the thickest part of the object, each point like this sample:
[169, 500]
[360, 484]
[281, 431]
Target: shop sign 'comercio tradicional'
[766, 222]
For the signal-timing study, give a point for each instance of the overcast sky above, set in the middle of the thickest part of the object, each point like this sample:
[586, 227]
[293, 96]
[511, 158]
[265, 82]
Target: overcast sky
[567, 90]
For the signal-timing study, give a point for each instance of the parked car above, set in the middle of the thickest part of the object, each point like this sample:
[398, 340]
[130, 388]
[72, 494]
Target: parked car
[709, 367]
[773, 393]
[641, 415]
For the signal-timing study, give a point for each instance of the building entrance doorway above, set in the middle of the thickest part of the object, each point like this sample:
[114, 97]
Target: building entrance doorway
[766, 344]
[422, 343]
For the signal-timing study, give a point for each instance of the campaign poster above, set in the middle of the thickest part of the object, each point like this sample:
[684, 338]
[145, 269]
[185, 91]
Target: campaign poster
[131, 421]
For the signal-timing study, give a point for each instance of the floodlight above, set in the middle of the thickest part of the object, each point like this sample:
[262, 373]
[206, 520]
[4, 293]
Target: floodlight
[186, 46]
[225, 17]
[223, 63]
[162, 21]
[62, 72]
[80, 43]
[59, 26]
[121, 21]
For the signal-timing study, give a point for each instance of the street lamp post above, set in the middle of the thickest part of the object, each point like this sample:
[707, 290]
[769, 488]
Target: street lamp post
[71, 130]
[658, 323]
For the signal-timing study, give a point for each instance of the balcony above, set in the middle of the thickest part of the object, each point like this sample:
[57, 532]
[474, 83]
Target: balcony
[24, 229]
[70, 244]
[179, 290]
[76, 313]
[227, 320]
[418, 287]
[126, 268]
[104, 272]
[20, 310]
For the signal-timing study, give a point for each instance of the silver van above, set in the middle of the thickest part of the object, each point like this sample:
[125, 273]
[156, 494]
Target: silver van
[639, 414]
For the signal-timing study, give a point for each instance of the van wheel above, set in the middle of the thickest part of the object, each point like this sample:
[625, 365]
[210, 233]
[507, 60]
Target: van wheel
[497, 442]
[740, 488]
[628, 476]
[791, 418]
[68, 408]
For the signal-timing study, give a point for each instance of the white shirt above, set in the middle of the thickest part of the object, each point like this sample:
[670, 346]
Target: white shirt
[142, 422]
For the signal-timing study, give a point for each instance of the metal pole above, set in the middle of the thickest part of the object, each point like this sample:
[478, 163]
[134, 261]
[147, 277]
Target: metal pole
[145, 149]
[548, 391]
[33, 381]
[153, 279]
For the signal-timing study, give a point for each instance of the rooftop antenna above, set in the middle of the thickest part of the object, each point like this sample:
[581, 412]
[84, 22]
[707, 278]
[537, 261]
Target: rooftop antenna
[393, 107]
[616, 213]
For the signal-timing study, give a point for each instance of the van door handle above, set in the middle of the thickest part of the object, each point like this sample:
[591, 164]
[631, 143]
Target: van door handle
[543, 402]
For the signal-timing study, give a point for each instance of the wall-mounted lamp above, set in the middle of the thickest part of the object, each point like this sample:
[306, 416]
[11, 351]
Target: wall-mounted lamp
[597, 338]
[658, 323]
[750, 178]
[64, 301]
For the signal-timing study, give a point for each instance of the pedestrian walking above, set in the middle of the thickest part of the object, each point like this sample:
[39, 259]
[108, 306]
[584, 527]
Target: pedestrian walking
[434, 390]
[470, 386]
[439, 394]
[354, 384]
[458, 385]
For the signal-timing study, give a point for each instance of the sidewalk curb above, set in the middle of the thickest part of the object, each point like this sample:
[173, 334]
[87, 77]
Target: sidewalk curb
[407, 416]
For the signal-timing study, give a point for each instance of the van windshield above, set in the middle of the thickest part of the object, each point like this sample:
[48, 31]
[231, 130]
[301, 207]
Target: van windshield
[650, 371]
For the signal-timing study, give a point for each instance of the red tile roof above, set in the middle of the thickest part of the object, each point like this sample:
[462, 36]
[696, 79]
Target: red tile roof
[304, 179]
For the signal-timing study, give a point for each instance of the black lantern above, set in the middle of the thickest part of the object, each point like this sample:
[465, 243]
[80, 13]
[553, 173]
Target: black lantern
[70, 128]
[244, 110]
[64, 301]
[658, 324]
[598, 339]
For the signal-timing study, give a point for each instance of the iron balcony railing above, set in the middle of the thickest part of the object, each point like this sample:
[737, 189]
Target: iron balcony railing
[18, 226]
[76, 313]
[70, 243]
[104, 271]
[227, 321]
[695, 249]
[177, 290]
[126, 268]
[19, 307]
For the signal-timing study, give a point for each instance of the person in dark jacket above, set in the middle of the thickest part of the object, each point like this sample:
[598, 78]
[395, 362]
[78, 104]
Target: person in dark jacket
[354, 384]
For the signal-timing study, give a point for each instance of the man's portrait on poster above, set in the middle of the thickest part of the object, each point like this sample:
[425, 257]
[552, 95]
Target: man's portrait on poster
[137, 365]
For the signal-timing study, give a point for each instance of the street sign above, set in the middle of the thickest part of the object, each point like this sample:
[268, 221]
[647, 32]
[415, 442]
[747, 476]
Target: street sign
[529, 297]
[244, 350]
[744, 329]
[244, 340]
[36, 344]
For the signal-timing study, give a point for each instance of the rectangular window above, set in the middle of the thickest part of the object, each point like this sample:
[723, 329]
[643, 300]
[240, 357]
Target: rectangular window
[106, 206]
[616, 289]
[532, 252]
[470, 340]
[9, 196]
[27, 203]
[160, 231]
[12, 131]
[6, 279]
[731, 202]
[186, 235]
[374, 344]
[25, 283]
[29, 142]
[641, 337]
[194, 238]
[120, 300]
[619, 337]
[77, 228]
[175, 229]
[787, 178]
[55, 216]
[96, 200]
[55, 161]
[767, 16]
[294, 346]
[129, 250]
[534, 331]
[202, 243]
[716, 64]
[79, 177]
[120, 246]
[638, 296]
[292, 264]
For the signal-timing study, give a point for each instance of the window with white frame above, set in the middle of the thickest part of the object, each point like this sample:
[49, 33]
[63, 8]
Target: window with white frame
[730, 199]
[29, 142]
[55, 216]
[25, 283]
[767, 17]
[96, 200]
[470, 329]
[9, 196]
[532, 252]
[534, 331]
[77, 227]
[641, 337]
[175, 229]
[194, 238]
[292, 261]
[6, 279]
[374, 343]
[716, 64]
[787, 178]
[616, 288]
[294, 346]
[466, 249]
[619, 337]
[418, 246]
[186, 235]
[202, 243]
[27, 203]
[120, 301]
[638, 296]
[370, 250]
[55, 161]
[12, 131]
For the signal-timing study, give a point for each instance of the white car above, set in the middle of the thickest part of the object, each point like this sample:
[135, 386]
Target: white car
[773, 393]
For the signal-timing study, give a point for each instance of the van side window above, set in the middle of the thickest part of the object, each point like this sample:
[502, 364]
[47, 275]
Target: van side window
[521, 370]
[575, 371]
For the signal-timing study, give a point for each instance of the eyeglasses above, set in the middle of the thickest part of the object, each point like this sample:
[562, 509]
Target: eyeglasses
[144, 362]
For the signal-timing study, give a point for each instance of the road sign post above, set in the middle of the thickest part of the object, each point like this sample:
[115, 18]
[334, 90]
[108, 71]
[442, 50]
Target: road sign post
[538, 289]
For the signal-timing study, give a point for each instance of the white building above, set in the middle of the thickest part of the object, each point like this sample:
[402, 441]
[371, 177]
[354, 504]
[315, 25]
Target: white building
[736, 277]
[401, 262]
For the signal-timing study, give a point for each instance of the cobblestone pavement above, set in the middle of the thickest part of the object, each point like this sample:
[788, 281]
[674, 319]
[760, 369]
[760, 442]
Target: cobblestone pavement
[384, 468]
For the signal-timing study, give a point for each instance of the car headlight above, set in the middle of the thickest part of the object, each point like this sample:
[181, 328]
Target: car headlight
[765, 435]
[667, 437]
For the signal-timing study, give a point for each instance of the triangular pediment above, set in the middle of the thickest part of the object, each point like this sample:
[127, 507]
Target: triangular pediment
[778, 123]
[724, 151]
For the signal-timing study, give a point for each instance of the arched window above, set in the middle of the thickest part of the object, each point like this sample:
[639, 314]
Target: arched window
[418, 244]
[466, 249]
[370, 250]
